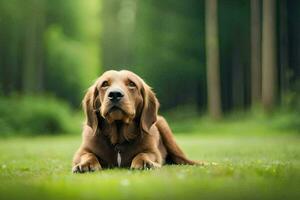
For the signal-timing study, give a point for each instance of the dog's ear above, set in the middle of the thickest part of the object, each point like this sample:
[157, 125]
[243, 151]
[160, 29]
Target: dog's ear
[149, 110]
[91, 106]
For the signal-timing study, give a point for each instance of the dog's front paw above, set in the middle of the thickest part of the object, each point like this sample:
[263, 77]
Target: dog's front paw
[140, 163]
[86, 167]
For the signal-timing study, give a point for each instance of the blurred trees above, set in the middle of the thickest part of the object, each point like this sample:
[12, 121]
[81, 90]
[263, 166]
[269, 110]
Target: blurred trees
[255, 51]
[53, 46]
[49, 46]
[269, 63]
[119, 23]
[234, 36]
[165, 44]
[212, 59]
[169, 47]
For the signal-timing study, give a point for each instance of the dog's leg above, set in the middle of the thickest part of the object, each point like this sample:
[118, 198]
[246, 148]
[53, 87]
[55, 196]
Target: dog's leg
[145, 161]
[85, 161]
[174, 151]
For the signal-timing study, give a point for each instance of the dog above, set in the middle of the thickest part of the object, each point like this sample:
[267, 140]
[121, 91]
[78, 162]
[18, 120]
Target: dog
[123, 128]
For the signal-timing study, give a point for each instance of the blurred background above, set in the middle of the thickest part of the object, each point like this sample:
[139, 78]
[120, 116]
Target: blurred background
[208, 61]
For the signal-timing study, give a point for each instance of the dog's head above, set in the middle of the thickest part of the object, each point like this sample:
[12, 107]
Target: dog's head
[120, 96]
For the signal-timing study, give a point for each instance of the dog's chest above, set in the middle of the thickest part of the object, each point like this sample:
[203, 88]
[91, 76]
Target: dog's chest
[120, 145]
[124, 154]
[115, 155]
[119, 159]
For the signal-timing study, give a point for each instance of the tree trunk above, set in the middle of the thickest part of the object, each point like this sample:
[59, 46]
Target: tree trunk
[212, 59]
[40, 61]
[238, 75]
[255, 52]
[33, 48]
[29, 66]
[269, 81]
[284, 49]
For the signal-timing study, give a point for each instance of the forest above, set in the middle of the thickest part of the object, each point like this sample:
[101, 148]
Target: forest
[226, 74]
[226, 57]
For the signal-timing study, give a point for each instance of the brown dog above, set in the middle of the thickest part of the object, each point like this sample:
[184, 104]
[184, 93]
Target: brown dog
[122, 127]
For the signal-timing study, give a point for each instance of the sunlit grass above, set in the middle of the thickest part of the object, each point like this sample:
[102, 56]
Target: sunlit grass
[248, 167]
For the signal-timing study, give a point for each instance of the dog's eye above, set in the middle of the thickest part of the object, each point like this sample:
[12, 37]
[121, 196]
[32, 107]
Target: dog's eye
[105, 84]
[131, 84]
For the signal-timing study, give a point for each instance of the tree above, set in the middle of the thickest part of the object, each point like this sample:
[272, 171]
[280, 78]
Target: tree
[33, 47]
[283, 48]
[167, 48]
[255, 52]
[45, 49]
[269, 81]
[212, 59]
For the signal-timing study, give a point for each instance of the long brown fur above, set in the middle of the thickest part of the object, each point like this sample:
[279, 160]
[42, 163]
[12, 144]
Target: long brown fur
[134, 130]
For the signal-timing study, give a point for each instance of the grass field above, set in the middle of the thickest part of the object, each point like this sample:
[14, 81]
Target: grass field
[249, 166]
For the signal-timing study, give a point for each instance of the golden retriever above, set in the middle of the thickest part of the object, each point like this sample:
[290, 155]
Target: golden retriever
[123, 128]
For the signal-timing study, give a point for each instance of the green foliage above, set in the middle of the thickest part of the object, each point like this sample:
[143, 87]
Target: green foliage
[71, 67]
[234, 38]
[281, 121]
[170, 50]
[247, 167]
[32, 115]
[163, 41]
[49, 46]
[166, 47]
[72, 43]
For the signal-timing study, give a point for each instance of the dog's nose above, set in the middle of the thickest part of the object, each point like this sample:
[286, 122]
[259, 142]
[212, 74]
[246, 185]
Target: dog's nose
[115, 95]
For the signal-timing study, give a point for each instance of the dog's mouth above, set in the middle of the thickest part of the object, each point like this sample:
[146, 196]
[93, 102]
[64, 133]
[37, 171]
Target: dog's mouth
[115, 109]
[117, 113]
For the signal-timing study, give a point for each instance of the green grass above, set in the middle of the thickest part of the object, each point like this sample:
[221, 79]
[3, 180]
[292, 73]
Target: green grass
[249, 166]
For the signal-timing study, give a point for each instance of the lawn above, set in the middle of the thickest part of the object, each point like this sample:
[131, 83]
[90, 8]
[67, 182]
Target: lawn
[248, 166]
